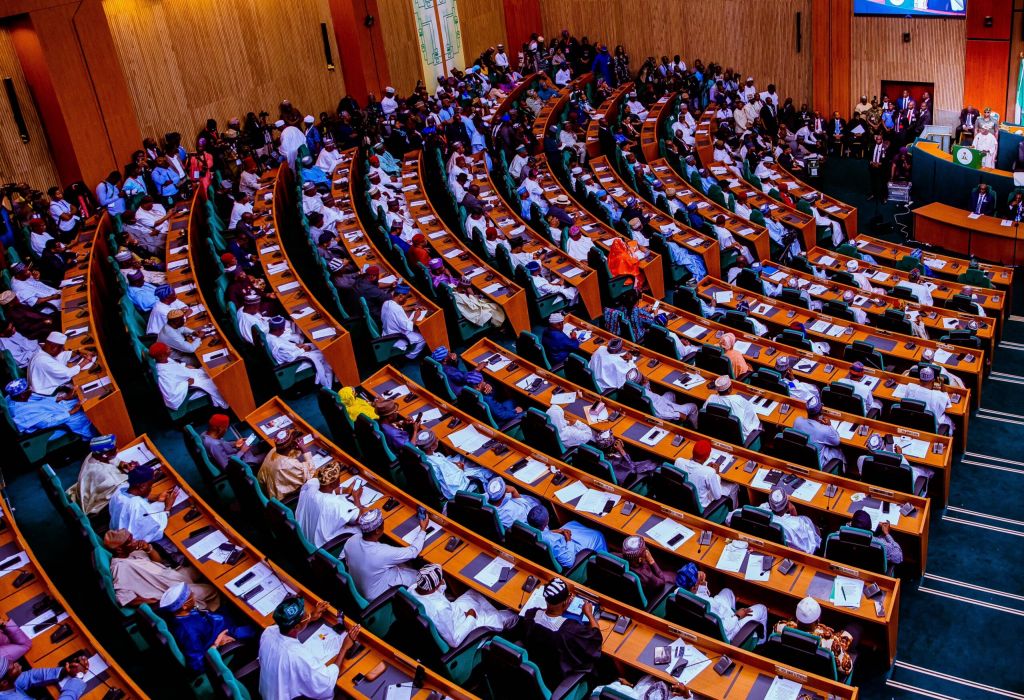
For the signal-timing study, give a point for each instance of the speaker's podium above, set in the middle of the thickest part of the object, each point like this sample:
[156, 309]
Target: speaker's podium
[967, 156]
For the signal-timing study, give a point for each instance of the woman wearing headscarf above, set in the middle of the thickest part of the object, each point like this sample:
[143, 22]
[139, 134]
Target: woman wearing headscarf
[723, 603]
[572, 434]
[736, 360]
[622, 261]
[456, 619]
[355, 405]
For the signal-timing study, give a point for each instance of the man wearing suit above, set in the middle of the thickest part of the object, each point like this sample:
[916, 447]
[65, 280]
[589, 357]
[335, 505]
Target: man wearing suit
[982, 201]
[903, 102]
[968, 121]
[837, 134]
[878, 169]
[770, 116]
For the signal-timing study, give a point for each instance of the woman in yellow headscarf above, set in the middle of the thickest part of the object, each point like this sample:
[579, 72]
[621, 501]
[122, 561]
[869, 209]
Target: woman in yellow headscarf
[355, 406]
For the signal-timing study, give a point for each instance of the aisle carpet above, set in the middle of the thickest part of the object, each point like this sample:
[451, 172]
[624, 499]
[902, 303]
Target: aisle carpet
[960, 626]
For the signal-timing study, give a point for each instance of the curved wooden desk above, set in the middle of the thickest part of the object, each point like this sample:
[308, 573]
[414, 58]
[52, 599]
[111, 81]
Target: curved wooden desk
[194, 519]
[17, 602]
[836, 210]
[985, 237]
[217, 356]
[650, 133]
[456, 255]
[309, 316]
[84, 293]
[621, 647]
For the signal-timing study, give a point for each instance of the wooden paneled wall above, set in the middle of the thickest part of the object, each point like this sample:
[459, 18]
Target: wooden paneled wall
[1016, 49]
[401, 43]
[483, 25]
[189, 60]
[757, 37]
[935, 54]
[21, 162]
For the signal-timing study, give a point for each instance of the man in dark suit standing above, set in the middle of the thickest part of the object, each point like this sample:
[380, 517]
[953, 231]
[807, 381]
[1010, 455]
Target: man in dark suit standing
[879, 169]
[837, 134]
[770, 116]
[904, 101]
[983, 201]
[968, 120]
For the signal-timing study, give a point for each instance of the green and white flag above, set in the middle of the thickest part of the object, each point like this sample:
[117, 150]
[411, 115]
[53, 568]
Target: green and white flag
[1018, 105]
[967, 157]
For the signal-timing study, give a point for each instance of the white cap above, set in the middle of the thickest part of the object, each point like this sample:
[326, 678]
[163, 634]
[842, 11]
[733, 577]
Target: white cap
[808, 611]
[851, 265]
[389, 90]
[309, 119]
[556, 318]
[57, 338]
[279, 123]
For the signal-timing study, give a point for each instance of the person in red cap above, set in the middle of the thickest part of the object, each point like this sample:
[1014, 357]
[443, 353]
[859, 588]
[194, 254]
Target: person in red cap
[418, 252]
[704, 476]
[177, 381]
[220, 449]
[229, 261]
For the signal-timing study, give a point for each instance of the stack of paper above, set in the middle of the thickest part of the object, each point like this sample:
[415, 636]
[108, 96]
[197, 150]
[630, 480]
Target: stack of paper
[732, 556]
[723, 297]
[807, 491]
[532, 471]
[571, 491]
[595, 501]
[846, 592]
[755, 564]
[324, 643]
[783, 689]
[467, 440]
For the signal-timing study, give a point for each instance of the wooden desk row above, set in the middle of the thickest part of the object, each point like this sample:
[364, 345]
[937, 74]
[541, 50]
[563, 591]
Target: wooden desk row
[84, 293]
[194, 519]
[985, 237]
[608, 110]
[836, 210]
[779, 593]
[311, 319]
[903, 349]
[947, 267]
[456, 254]
[627, 648]
[216, 355]
[29, 599]
[650, 133]
[352, 237]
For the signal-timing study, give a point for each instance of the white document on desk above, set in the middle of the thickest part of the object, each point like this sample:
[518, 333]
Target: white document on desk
[846, 429]
[807, 491]
[561, 399]
[207, 544]
[820, 326]
[836, 331]
[783, 688]
[760, 480]
[490, 574]
[532, 471]
[653, 436]
[666, 530]
[469, 439]
[732, 557]
[695, 330]
[324, 644]
[755, 564]
[742, 346]
[817, 289]
[763, 409]
[571, 492]
[369, 494]
[696, 660]
[846, 592]
[723, 297]
[595, 501]
[900, 391]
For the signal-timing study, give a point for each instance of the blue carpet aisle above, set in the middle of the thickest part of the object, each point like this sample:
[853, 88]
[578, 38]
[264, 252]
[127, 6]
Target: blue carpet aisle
[960, 625]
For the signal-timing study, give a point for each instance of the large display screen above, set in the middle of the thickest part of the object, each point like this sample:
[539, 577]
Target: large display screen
[911, 8]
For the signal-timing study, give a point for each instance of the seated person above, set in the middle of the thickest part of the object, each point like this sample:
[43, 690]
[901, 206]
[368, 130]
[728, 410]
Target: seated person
[456, 619]
[646, 688]
[705, 477]
[821, 434]
[195, 629]
[452, 473]
[289, 669]
[642, 563]
[476, 308]
[723, 603]
[935, 400]
[861, 388]
[808, 612]
[560, 645]
[625, 467]
[799, 390]
[14, 643]
[54, 366]
[220, 449]
[739, 405]
[665, 405]
[397, 430]
[510, 504]
[326, 510]
[182, 340]
[982, 201]
[801, 532]
[502, 410]
[610, 365]
[736, 359]
[450, 364]
[394, 319]
[22, 349]
[31, 412]
[17, 682]
[567, 541]
[881, 535]
[140, 575]
[557, 343]
[286, 467]
[100, 476]
[286, 346]
[130, 508]
[376, 566]
[177, 381]
[571, 434]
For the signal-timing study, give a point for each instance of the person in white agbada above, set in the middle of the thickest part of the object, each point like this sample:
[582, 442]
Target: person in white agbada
[801, 532]
[705, 478]
[986, 142]
[636, 107]
[394, 319]
[131, 507]
[515, 168]
[723, 604]
[167, 299]
[936, 401]
[28, 289]
[861, 278]
[921, 291]
[546, 286]
[182, 340]
[665, 405]
[578, 246]
[821, 218]
[862, 388]
[375, 566]
[99, 476]
[329, 157]
[388, 104]
[572, 434]
[242, 205]
[288, 668]
[474, 308]
[52, 366]
[739, 405]
[292, 139]
[859, 315]
[510, 504]
[284, 348]
[250, 315]
[456, 619]
[799, 390]
[22, 349]
[177, 380]
[610, 365]
[326, 510]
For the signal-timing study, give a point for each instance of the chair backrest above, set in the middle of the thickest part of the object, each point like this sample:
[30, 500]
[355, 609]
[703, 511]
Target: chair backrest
[711, 359]
[694, 613]
[864, 352]
[286, 530]
[717, 420]
[339, 425]
[886, 469]
[610, 575]
[414, 632]
[759, 523]
[659, 340]
[914, 414]
[962, 337]
[794, 339]
[472, 402]
[473, 511]
[526, 541]
[802, 650]
[769, 380]
[373, 445]
[632, 395]
[197, 450]
[505, 666]
[541, 434]
[840, 396]
[791, 445]
[529, 347]
[794, 297]
[856, 547]
[903, 292]
[332, 581]
[686, 299]
[739, 320]
[749, 280]
[577, 371]
[839, 309]
[842, 277]
[592, 461]
[223, 682]
[896, 321]
[420, 479]
[671, 486]
[246, 488]
[156, 633]
[435, 380]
